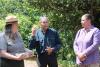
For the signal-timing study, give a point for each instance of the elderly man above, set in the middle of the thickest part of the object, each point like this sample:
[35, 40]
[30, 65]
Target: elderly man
[47, 42]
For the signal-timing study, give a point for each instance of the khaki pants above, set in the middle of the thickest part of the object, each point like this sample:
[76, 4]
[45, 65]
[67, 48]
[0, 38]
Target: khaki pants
[90, 65]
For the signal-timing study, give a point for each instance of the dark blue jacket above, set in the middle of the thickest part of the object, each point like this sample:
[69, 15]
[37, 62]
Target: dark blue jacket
[41, 40]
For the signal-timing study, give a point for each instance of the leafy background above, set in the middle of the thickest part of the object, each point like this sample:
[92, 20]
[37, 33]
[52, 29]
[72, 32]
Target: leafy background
[64, 16]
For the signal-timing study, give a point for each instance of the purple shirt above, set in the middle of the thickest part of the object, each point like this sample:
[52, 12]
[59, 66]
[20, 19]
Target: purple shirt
[87, 42]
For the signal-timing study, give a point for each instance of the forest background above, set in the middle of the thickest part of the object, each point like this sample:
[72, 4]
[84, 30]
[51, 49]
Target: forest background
[63, 15]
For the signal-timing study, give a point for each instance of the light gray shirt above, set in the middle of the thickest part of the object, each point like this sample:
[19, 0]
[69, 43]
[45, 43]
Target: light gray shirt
[12, 47]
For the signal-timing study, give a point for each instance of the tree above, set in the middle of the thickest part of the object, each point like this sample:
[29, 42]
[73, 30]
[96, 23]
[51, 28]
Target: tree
[64, 16]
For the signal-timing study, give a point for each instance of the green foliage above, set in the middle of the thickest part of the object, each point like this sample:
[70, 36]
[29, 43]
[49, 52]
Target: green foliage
[65, 63]
[2, 25]
[24, 27]
[64, 16]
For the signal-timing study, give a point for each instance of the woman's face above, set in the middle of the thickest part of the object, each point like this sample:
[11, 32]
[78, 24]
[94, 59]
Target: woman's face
[85, 22]
[14, 27]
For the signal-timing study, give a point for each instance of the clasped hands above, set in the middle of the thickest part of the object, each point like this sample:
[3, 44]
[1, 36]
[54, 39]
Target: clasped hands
[81, 56]
[25, 55]
[49, 50]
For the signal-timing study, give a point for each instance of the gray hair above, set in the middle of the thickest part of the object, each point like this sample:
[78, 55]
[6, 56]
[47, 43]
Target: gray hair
[8, 33]
[43, 18]
[89, 17]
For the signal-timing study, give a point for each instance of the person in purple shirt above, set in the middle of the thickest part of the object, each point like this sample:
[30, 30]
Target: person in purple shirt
[86, 43]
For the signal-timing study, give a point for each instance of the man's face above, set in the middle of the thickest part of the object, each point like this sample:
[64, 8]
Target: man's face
[44, 24]
[84, 22]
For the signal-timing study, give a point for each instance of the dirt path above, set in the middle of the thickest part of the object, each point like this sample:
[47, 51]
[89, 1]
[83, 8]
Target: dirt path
[30, 63]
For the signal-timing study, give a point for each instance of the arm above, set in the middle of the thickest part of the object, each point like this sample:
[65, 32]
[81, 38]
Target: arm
[80, 56]
[58, 43]
[75, 46]
[56, 46]
[32, 43]
[5, 54]
[95, 45]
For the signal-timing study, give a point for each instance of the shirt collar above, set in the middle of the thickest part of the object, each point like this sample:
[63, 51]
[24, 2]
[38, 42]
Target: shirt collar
[43, 31]
[89, 29]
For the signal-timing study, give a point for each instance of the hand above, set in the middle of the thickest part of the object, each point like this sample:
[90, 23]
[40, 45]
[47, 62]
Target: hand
[20, 56]
[33, 31]
[29, 54]
[81, 57]
[49, 50]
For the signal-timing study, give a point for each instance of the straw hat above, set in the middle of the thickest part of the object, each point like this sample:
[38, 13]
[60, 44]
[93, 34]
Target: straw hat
[11, 19]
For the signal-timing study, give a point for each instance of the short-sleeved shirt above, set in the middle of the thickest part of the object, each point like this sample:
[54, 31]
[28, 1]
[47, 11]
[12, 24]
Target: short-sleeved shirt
[12, 47]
